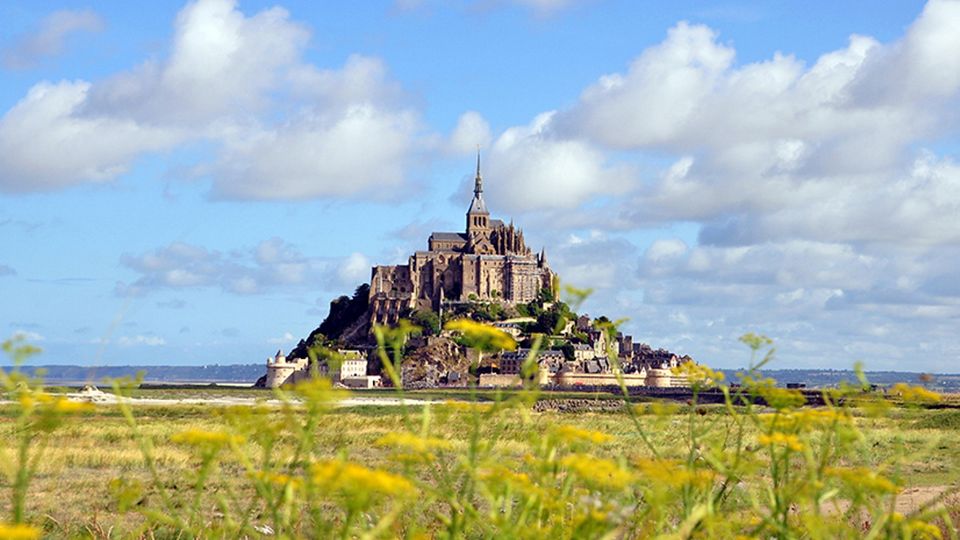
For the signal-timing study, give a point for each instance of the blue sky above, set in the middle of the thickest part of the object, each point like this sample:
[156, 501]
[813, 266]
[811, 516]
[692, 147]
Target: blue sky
[194, 182]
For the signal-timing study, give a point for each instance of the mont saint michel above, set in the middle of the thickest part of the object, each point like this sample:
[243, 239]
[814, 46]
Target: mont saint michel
[489, 262]
[486, 273]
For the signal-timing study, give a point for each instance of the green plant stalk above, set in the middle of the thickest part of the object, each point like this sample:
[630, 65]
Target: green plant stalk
[146, 451]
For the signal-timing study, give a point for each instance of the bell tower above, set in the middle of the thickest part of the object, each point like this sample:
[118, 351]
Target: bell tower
[478, 218]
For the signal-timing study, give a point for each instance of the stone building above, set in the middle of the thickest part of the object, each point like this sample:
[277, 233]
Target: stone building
[490, 261]
[282, 371]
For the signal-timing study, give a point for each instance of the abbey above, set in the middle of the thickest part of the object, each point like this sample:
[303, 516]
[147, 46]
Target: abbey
[488, 262]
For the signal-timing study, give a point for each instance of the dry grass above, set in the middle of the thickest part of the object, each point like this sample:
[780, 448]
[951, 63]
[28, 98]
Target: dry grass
[71, 493]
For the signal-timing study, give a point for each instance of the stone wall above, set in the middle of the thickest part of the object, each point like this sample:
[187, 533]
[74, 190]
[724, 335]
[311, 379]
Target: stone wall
[495, 379]
[599, 379]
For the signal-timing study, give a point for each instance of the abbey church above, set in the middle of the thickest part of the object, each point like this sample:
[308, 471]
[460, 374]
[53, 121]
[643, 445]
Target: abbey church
[488, 262]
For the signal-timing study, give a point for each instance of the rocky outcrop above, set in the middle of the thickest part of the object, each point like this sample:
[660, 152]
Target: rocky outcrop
[431, 364]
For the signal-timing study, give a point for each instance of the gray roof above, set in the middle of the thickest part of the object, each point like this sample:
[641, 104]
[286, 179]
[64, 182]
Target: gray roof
[477, 206]
[448, 236]
[496, 223]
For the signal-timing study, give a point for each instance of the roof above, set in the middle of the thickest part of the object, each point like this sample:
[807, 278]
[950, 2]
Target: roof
[496, 223]
[448, 236]
[477, 206]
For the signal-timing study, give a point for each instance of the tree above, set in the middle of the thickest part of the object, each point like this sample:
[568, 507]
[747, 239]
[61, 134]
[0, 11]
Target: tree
[428, 320]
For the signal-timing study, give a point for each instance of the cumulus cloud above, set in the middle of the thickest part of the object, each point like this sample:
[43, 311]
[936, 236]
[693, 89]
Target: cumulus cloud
[88, 148]
[49, 38]
[269, 266]
[471, 130]
[533, 170]
[279, 126]
[819, 215]
[354, 269]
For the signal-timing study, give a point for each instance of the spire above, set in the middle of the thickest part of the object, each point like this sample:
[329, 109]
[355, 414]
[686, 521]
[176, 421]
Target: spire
[477, 206]
[478, 181]
[543, 255]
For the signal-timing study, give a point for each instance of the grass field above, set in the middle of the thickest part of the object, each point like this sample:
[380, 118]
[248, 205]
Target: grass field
[469, 464]
[72, 493]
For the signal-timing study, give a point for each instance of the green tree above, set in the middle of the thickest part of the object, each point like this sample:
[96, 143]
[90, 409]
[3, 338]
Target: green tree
[428, 320]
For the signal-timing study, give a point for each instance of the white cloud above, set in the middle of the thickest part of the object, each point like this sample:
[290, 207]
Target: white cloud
[49, 38]
[354, 269]
[361, 150]
[88, 149]
[287, 337]
[28, 335]
[533, 170]
[471, 130]
[269, 266]
[221, 64]
[822, 219]
[279, 126]
[141, 340]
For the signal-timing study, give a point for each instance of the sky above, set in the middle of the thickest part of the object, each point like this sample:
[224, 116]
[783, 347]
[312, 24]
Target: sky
[193, 183]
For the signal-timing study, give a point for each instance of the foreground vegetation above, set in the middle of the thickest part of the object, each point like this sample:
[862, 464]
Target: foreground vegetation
[481, 469]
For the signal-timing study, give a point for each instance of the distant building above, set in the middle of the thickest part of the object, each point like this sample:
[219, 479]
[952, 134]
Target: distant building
[281, 371]
[352, 371]
[488, 262]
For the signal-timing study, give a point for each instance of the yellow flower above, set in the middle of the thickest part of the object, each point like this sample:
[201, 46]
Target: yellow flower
[413, 442]
[658, 408]
[805, 420]
[318, 390]
[914, 394]
[358, 481]
[65, 406]
[862, 478]
[482, 336]
[571, 434]
[27, 401]
[515, 481]
[278, 479]
[778, 398]
[921, 529]
[463, 406]
[598, 472]
[412, 448]
[205, 439]
[778, 438]
[698, 374]
[18, 531]
[672, 473]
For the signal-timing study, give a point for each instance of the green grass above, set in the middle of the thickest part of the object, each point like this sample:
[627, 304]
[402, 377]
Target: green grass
[72, 483]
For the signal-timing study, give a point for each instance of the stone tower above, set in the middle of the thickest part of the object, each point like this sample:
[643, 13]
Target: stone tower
[478, 218]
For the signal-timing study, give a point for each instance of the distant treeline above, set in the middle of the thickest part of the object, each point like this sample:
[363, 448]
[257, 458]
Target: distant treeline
[823, 378]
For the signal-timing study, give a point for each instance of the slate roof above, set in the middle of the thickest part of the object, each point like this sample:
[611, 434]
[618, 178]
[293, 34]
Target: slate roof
[448, 236]
[477, 206]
